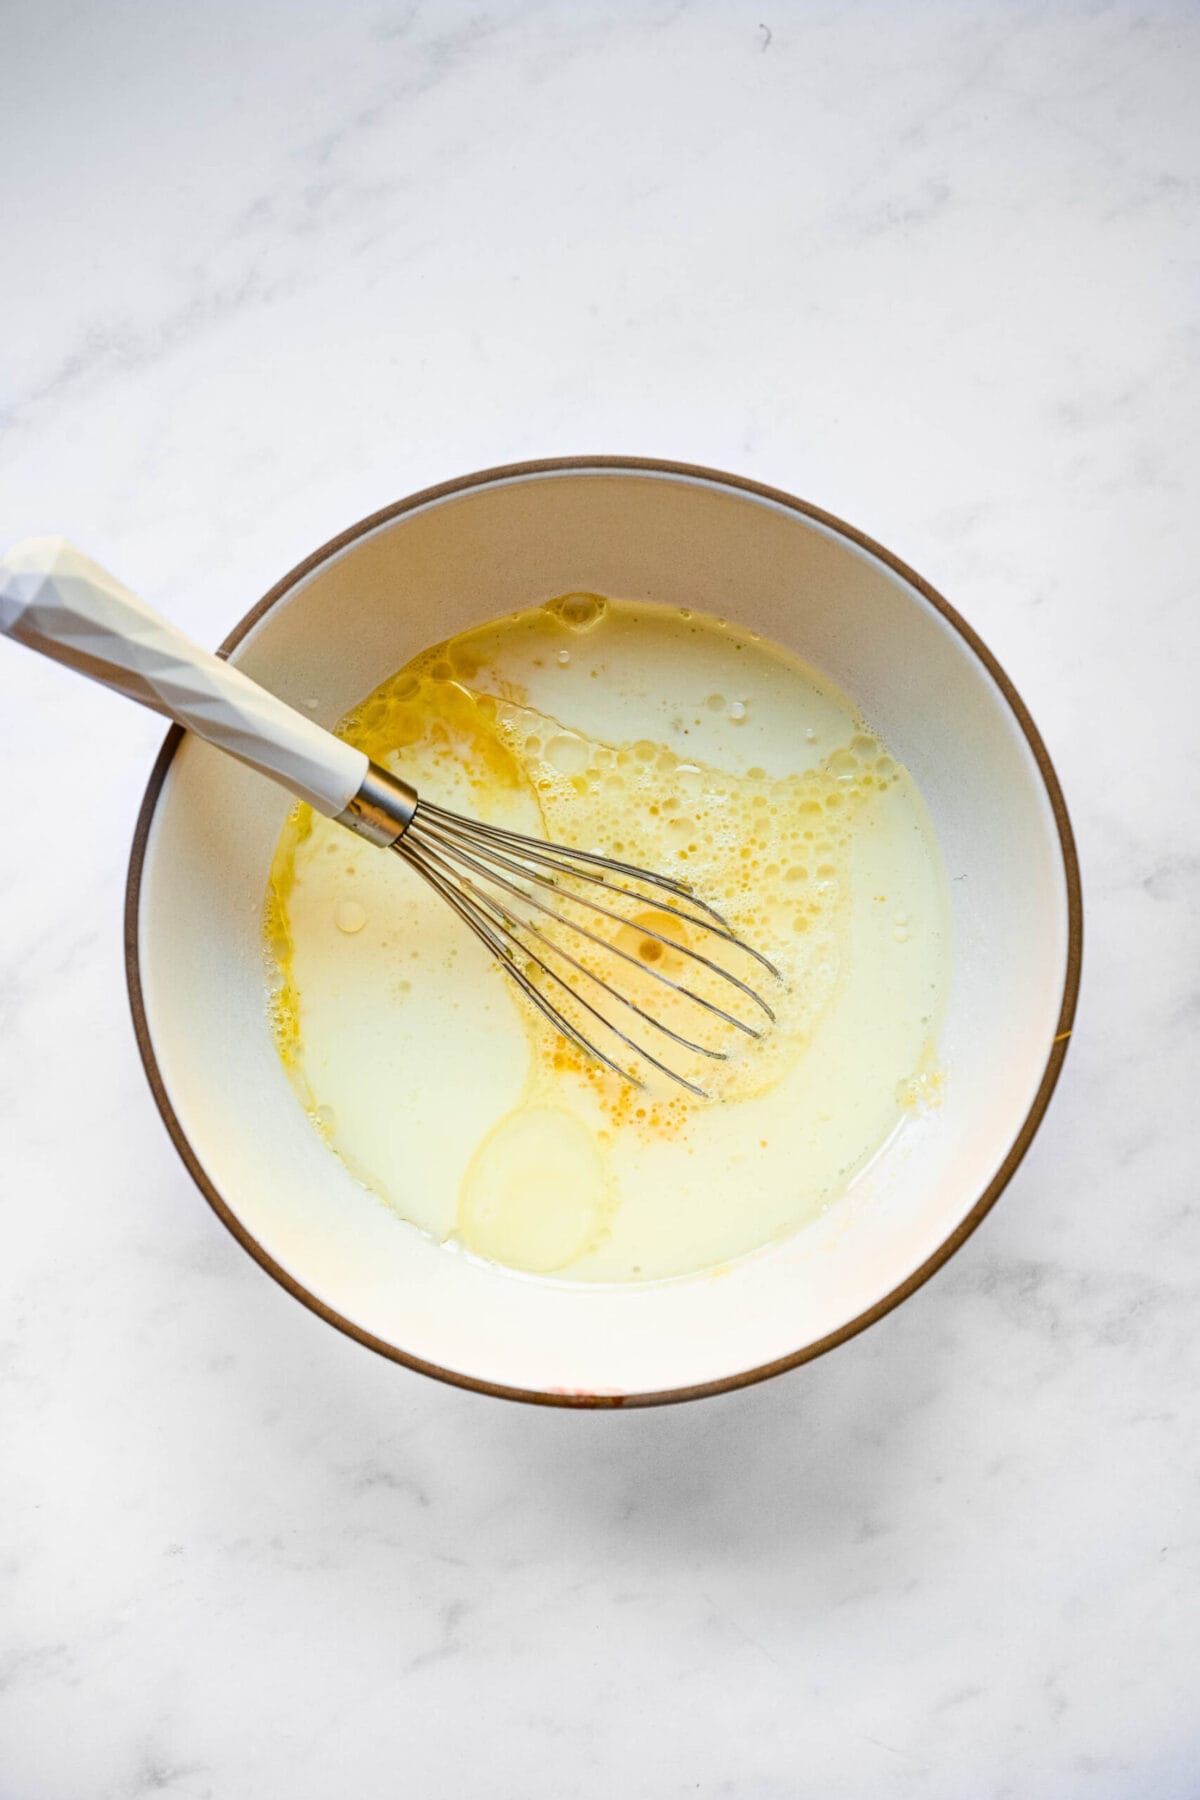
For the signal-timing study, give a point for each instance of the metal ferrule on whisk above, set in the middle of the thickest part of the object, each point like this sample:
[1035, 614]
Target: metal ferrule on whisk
[383, 808]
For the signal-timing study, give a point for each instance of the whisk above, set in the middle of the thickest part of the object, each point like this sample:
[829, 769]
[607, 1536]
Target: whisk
[556, 919]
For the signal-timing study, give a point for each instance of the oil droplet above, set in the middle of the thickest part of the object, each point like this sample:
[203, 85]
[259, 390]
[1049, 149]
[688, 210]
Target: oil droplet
[564, 657]
[536, 1191]
[737, 711]
[349, 917]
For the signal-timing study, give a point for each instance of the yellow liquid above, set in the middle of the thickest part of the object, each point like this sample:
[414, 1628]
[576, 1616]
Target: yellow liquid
[672, 741]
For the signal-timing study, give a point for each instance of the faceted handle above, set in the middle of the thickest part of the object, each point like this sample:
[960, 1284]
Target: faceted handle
[58, 601]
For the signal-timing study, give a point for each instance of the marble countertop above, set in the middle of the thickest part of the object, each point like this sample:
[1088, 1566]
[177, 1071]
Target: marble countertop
[935, 268]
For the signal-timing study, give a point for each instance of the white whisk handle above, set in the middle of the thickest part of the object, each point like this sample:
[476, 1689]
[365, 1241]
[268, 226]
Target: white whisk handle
[56, 600]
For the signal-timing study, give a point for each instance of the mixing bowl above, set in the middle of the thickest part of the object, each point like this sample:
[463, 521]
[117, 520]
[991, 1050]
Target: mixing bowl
[431, 566]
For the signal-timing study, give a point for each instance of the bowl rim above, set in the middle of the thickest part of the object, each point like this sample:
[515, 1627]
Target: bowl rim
[633, 465]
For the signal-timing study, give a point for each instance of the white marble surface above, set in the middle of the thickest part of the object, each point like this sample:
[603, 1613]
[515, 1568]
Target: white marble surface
[935, 267]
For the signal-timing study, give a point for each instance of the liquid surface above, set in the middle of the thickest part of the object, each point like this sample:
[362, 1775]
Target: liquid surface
[681, 744]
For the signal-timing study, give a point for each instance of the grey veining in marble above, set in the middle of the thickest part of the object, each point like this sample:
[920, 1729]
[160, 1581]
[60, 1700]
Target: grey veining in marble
[934, 267]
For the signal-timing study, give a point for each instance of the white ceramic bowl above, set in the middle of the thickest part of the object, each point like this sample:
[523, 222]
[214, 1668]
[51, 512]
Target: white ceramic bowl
[443, 560]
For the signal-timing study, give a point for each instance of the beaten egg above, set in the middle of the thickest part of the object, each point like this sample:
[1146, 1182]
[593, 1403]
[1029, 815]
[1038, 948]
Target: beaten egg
[682, 744]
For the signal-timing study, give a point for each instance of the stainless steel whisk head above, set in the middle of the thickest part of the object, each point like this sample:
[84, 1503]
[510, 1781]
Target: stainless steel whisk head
[553, 917]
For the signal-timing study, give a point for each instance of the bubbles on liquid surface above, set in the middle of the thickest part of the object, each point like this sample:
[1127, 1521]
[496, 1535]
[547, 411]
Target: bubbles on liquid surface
[568, 752]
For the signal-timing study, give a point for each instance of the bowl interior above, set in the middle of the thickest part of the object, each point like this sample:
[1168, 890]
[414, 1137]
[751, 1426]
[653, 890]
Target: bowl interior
[357, 613]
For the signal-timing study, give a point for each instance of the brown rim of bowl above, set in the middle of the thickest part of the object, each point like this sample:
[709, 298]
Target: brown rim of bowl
[1033, 1118]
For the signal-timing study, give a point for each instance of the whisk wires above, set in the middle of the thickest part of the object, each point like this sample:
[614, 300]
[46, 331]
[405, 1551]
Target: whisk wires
[555, 917]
